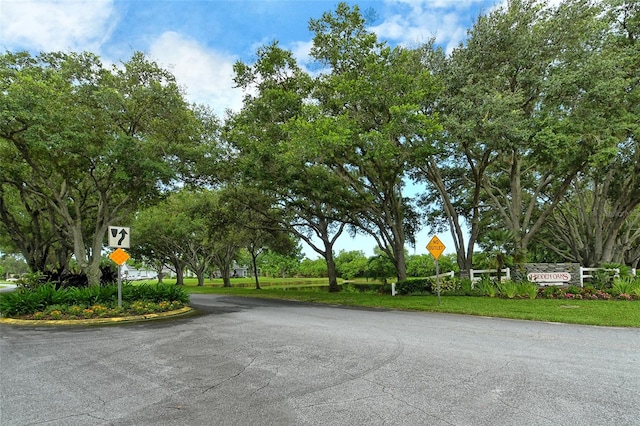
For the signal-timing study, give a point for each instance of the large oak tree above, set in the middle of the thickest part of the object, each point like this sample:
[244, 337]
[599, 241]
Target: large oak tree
[91, 143]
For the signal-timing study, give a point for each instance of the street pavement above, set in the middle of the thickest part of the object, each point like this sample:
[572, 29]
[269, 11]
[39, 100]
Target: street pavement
[262, 362]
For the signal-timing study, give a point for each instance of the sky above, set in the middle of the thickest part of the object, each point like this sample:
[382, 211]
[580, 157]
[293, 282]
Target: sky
[199, 41]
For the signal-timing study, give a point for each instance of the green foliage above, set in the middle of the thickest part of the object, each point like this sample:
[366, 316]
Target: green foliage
[415, 286]
[625, 271]
[20, 303]
[379, 266]
[278, 265]
[602, 280]
[31, 280]
[423, 265]
[527, 289]
[508, 289]
[316, 268]
[573, 289]
[89, 144]
[420, 265]
[448, 285]
[155, 293]
[627, 285]
[28, 301]
[550, 292]
[351, 264]
[487, 286]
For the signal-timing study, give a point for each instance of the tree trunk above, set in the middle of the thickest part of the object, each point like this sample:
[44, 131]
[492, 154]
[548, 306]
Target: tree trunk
[332, 272]
[179, 273]
[225, 270]
[401, 265]
[255, 269]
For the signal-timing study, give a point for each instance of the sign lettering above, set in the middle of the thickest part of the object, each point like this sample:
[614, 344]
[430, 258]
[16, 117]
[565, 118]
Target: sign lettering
[549, 277]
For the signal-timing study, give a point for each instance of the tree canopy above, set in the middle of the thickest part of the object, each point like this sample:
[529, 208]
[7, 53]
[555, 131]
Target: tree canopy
[525, 135]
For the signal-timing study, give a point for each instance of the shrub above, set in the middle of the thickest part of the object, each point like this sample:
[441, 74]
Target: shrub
[623, 286]
[551, 292]
[508, 289]
[448, 285]
[348, 288]
[414, 286]
[573, 289]
[527, 289]
[31, 281]
[487, 287]
[384, 288]
[602, 280]
[79, 301]
[154, 292]
[468, 289]
[20, 302]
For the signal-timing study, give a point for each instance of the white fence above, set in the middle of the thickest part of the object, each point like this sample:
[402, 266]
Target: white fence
[133, 274]
[587, 273]
[476, 274]
[448, 274]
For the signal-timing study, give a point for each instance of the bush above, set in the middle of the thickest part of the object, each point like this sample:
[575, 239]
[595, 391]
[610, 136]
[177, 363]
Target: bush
[415, 286]
[602, 280]
[348, 287]
[624, 286]
[550, 292]
[466, 288]
[25, 301]
[487, 287]
[527, 289]
[31, 281]
[448, 285]
[508, 289]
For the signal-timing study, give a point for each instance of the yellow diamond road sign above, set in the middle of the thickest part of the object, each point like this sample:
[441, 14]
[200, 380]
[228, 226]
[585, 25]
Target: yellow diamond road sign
[435, 247]
[119, 256]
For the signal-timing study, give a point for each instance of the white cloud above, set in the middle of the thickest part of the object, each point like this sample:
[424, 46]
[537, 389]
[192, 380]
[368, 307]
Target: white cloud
[206, 75]
[56, 25]
[446, 20]
[302, 51]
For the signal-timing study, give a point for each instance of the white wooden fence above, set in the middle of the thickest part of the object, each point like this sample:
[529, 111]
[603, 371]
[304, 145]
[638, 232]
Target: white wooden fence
[476, 274]
[587, 273]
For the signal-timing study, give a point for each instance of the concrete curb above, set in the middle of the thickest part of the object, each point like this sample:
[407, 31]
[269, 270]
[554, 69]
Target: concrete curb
[95, 321]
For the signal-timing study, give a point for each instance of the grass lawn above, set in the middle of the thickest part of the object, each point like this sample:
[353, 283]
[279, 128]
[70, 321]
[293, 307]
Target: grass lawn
[592, 312]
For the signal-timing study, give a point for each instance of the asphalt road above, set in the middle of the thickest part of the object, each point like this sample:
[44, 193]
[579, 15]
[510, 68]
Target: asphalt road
[260, 362]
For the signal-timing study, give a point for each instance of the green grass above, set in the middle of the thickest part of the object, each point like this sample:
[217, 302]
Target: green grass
[591, 312]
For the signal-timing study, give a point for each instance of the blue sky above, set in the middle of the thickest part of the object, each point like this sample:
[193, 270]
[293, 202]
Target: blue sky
[200, 40]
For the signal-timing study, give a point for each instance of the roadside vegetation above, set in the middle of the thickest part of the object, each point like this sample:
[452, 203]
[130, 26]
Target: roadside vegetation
[611, 303]
[43, 301]
[522, 141]
[577, 305]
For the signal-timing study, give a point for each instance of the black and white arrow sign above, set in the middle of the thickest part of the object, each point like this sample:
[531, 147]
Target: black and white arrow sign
[119, 237]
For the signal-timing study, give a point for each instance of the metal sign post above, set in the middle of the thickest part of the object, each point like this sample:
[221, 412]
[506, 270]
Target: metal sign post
[119, 238]
[119, 256]
[436, 247]
[119, 286]
[437, 280]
